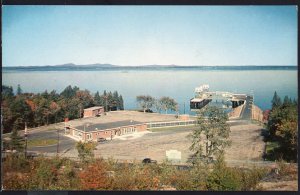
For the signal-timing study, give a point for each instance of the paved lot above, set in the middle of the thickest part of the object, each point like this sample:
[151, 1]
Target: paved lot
[247, 145]
[66, 143]
[247, 142]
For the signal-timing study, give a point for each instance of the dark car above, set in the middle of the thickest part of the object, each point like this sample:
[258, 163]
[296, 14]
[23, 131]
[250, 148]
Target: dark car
[101, 139]
[31, 155]
[149, 160]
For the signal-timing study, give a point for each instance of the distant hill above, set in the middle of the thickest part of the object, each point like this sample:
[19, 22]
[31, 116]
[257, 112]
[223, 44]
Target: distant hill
[74, 67]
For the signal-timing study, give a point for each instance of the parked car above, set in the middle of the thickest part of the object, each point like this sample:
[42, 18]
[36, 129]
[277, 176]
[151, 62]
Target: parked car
[149, 160]
[101, 139]
[31, 155]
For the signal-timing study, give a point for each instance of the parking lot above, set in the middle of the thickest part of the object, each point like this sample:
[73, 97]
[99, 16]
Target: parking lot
[247, 142]
[247, 145]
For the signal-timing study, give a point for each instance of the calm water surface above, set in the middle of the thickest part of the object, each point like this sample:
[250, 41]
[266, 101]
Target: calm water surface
[178, 84]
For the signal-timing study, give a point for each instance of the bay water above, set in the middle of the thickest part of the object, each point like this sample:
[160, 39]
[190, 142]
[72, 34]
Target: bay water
[178, 84]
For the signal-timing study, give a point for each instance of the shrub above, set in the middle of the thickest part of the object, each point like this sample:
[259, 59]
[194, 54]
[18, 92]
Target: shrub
[250, 178]
[94, 177]
[223, 178]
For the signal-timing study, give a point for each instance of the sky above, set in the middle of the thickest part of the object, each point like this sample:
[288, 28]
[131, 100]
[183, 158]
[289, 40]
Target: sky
[147, 35]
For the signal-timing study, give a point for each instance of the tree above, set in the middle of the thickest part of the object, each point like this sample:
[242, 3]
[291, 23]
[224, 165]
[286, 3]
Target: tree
[283, 128]
[85, 151]
[158, 106]
[116, 97]
[16, 141]
[168, 103]
[7, 92]
[45, 94]
[145, 101]
[287, 101]
[19, 90]
[276, 101]
[97, 99]
[212, 132]
[223, 178]
[69, 92]
[20, 109]
[53, 95]
[110, 100]
[121, 103]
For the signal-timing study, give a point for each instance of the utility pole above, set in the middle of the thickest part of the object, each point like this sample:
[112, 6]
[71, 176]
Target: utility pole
[25, 134]
[57, 149]
[183, 107]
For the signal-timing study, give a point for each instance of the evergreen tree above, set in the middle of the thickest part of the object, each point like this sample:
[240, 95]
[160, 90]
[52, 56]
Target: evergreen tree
[97, 99]
[69, 92]
[295, 102]
[53, 95]
[7, 92]
[110, 100]
[19, 90]
[16, 142]
[276, 101]
[116, 102]
[45, 94]
[121, 103]
[287, 101]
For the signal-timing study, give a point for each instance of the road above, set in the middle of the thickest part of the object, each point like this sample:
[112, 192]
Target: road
[65, 143]
[246, 113]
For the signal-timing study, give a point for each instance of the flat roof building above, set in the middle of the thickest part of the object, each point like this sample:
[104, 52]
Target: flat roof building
[93, 111]
[91, 132]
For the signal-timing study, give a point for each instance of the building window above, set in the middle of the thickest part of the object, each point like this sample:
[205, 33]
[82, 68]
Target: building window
[88, 136]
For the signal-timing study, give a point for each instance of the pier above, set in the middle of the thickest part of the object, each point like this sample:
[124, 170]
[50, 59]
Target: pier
[222, 99]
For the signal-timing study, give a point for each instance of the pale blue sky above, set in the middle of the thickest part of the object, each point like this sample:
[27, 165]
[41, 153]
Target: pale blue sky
[143, 35]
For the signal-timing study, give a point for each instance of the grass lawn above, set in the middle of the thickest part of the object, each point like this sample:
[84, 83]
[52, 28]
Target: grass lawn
[41, 142]
[192, 127]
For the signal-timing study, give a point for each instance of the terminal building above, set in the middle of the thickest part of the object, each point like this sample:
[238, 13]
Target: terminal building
[92, 132]
[222, 99]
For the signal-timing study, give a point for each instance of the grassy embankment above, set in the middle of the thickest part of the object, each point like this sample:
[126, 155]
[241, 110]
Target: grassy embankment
[41, 142]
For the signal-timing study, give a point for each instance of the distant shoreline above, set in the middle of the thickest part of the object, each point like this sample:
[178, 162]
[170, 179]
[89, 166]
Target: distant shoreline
[108, 67]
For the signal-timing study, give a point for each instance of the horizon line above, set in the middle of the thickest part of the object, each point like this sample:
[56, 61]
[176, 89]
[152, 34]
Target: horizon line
[145, 65]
